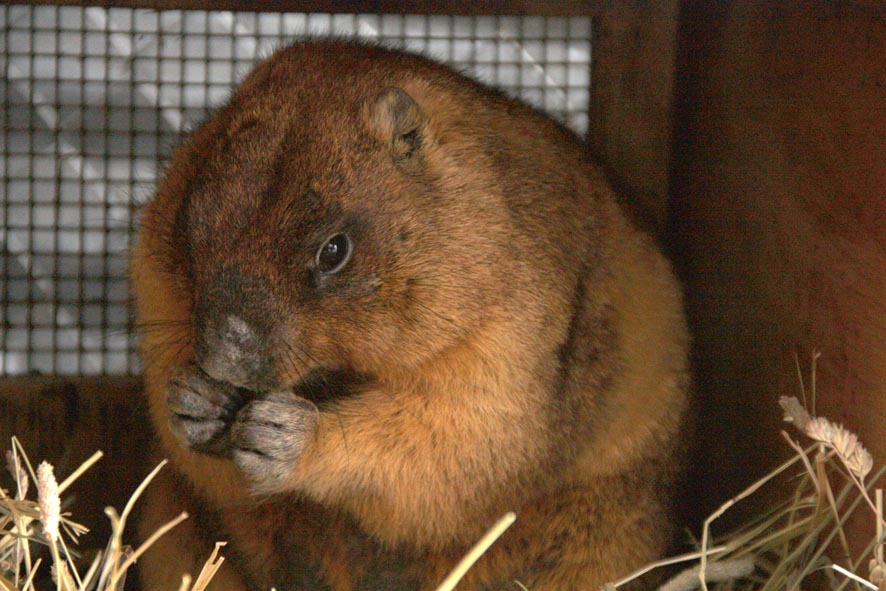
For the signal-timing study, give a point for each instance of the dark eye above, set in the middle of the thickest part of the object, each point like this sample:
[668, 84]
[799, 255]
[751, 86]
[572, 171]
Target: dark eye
[333, 255]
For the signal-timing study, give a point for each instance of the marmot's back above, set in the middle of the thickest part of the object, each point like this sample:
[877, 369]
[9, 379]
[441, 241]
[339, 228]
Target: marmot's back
[403, 304]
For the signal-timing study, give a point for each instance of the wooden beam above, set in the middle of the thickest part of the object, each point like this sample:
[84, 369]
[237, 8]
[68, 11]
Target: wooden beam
[632, 100]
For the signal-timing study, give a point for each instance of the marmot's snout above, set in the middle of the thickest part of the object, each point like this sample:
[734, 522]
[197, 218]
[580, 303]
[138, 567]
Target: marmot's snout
[234, 331]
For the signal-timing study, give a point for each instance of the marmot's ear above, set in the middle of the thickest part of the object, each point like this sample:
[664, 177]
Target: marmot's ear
[399, 121]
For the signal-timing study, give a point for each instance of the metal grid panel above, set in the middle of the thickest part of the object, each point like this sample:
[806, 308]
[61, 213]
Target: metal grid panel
[94, 100]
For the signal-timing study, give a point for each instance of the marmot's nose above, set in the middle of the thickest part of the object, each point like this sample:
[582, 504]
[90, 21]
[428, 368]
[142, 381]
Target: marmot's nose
[229, 351]
[233, 325]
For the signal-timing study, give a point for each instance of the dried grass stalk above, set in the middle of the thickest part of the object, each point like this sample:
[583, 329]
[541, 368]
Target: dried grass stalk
[788, 543]
[25, 523]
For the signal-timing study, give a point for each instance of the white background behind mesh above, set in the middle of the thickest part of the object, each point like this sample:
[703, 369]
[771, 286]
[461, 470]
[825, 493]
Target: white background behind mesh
[94, 100]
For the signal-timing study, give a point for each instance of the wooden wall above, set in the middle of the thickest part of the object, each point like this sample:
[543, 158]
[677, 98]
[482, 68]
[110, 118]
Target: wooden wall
[778, 215]
[632, 100]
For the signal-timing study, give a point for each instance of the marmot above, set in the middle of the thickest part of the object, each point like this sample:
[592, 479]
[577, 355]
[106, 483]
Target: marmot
[381, 305]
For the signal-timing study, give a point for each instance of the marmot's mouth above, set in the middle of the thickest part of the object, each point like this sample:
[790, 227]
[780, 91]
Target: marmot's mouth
[327, 385]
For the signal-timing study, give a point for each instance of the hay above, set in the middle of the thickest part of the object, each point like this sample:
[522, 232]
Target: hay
[474, 554]
[800, 543]
[26, 524]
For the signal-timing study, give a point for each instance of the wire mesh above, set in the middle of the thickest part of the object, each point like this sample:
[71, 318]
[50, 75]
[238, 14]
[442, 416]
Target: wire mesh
[94, 100]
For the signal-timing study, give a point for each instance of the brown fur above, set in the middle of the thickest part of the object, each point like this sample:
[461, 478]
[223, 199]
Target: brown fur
[501, 339]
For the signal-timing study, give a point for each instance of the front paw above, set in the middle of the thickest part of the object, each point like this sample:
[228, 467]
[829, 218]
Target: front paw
[269, 435]
[201, 409]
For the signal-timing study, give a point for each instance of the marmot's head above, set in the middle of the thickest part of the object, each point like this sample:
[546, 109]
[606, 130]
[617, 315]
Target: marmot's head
[323, 219]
